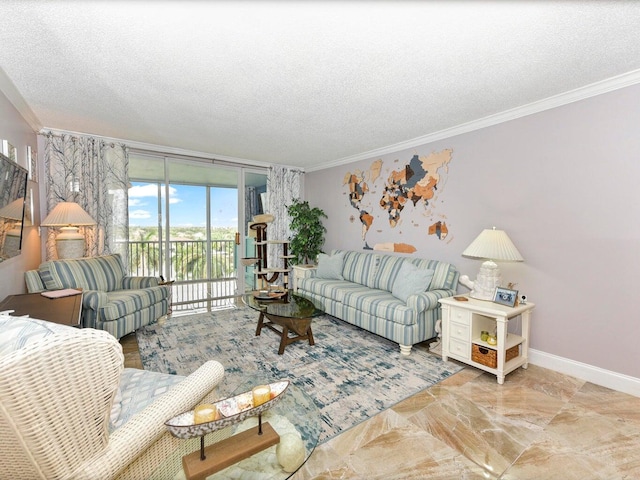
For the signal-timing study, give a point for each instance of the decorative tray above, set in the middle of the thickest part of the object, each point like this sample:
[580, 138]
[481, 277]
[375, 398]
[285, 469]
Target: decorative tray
[268, 296]
[231, 411]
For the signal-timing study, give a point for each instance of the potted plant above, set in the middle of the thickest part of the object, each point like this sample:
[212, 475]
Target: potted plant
[308, 231]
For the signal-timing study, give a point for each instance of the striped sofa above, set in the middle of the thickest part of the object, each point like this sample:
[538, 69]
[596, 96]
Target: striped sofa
[112, 301]
[363, 296]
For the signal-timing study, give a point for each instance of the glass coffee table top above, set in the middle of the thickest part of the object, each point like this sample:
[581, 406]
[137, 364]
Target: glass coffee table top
[289, 314]
[290, 306]
[295, 415]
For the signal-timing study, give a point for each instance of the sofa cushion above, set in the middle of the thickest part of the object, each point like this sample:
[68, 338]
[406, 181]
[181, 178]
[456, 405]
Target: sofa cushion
[330, 266]
[359, 267]
[381, 304]
[332, 289]
[123, 302]
[445, 275]
[97, 273]
[138, 388]
[387, 268]
[411, 280]
[18, 332]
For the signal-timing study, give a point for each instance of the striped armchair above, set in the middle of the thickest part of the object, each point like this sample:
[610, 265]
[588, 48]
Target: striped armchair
[112, 301]
[69, 410]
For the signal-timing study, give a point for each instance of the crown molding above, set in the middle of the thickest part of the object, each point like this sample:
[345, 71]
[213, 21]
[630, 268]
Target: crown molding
[592, 90]
[13, 95]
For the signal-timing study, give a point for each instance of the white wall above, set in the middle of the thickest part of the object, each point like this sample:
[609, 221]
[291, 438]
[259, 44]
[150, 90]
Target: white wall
[17, 131]
[564, 185]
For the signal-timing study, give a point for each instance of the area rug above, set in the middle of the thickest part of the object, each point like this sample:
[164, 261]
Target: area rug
[350, 373]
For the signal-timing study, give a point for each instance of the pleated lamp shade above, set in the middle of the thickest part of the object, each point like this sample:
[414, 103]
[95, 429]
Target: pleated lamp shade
[493, 244]
[490, 245]
[68, 216]
[13, 211]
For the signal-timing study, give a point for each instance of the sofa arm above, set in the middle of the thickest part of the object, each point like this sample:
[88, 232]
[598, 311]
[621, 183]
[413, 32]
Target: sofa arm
[94, 299]
[136, 283]
[143, 429]
[428, 300]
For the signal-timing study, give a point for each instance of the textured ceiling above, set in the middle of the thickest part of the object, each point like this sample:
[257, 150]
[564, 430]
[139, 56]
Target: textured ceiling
[302, 83]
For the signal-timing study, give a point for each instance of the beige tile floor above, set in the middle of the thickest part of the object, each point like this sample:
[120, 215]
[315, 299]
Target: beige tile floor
[538, 425]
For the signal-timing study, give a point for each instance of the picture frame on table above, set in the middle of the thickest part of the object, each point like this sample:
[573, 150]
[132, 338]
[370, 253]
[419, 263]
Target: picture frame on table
[505, 296]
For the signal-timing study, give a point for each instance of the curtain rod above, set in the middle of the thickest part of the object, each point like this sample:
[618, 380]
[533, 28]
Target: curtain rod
[196, 157]
[150, 149]
[112, 144]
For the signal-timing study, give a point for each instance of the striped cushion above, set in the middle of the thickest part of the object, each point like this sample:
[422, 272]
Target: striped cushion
[333, 289]
[132, 283]
[33, 281]
[445, 276]
[387, 271]
[381, 304]
[359, 267]
[97, 273]
[122, 302]
[129, 323]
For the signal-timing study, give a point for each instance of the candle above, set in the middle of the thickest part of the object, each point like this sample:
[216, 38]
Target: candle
[204, 413]
[261, 394]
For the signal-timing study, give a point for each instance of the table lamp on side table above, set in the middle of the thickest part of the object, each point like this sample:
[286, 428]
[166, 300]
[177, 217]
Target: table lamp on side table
[490, 245]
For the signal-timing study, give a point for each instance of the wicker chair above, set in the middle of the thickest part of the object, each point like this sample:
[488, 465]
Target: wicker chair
[57, 391]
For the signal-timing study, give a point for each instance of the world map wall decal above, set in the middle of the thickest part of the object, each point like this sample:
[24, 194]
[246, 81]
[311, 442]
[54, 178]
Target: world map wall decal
[414, 185]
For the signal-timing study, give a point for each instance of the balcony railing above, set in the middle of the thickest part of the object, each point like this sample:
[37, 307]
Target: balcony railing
[193, 288]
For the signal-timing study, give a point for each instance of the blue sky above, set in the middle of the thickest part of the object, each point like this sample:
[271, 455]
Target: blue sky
[187, 206]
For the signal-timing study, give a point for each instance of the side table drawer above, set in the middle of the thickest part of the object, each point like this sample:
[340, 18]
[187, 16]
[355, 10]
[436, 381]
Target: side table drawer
[461, 316]
[459, 348]
[460, 331]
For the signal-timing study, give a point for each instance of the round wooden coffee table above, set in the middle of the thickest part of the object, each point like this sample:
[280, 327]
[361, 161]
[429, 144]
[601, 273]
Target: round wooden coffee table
[292, 313]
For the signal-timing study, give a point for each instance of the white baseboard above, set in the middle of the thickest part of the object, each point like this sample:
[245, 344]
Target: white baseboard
[597, 375]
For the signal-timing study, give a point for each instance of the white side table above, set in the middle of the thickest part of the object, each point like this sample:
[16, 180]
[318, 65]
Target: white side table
[300, 272]
[463, 322]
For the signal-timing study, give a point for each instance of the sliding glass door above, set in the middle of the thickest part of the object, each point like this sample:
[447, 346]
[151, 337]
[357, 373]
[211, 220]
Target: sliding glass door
[184, 225]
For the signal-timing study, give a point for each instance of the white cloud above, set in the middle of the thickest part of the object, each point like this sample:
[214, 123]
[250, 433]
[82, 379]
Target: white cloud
[139, 214]
[150, 190]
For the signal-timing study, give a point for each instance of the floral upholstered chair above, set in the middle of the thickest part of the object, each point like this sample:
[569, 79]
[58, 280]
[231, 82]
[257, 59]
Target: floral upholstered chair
[69, 410]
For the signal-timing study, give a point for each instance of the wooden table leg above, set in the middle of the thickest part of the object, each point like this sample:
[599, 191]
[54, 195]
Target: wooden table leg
[260, 324]
[283, 339]
[300, 326]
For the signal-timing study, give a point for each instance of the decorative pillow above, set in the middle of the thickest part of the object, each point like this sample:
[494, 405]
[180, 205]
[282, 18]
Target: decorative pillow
[137, 390]
[330, 267]
[411, 280]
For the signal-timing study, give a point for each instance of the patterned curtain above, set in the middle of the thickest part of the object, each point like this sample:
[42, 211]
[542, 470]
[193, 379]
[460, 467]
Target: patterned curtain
[94, 174]
[251, 205]
[283, 186]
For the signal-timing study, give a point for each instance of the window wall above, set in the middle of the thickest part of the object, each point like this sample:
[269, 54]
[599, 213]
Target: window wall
[184, 226]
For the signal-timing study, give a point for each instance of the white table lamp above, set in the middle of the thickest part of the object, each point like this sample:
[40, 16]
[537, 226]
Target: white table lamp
[68, 216]
[490, 245]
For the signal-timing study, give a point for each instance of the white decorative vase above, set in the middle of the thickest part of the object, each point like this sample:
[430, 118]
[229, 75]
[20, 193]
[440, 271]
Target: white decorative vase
[290, 452]
[70, 243]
